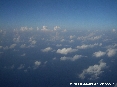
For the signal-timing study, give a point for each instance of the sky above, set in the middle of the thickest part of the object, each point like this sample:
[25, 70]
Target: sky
[68, 14]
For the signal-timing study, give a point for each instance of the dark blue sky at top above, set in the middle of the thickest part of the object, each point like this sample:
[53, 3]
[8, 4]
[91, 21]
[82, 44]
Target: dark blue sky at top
[69, 14]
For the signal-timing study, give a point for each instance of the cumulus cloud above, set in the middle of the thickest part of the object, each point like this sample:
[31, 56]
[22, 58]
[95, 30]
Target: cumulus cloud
[71, 58]
[56, 27]
[23, 29]
[71, 37]
[33, 42]
[54, 58]
[89, 37]
[12, 46]
[47, 49]
[114, 30]
[87, 46]
[23, 54]
[37, 64]
[0, 47]
[95, 38]
[62, 40]
[21, 66]
[71, 41]
[23, 46]
[44, 28]
[111, 52]
[58, 45]
[93, 71]
[66, 50]
[99, 54]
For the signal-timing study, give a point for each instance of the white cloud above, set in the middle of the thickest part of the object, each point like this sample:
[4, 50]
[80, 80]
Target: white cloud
[111, 46]
[33, 42]
[95, 38]
[66, 50]
[0, 47]
[111, 52]
[47, 49]
[37, 64]
[71, 58]
[71, 41]
[87, 46]
[23, 54]
[44, 28]
[23, 46]
[12, 46]
[99, 54]
[100, 44]
[56, 27]
[94, 71]
[114, 30]
[58, 45]
[23, 28]
[76, 57]
[54, 58]
[21, 66]
[71, 37]
[64, 58]
[62, 40]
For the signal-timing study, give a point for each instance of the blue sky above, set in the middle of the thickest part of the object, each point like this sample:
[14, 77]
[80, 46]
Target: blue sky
[69, 14]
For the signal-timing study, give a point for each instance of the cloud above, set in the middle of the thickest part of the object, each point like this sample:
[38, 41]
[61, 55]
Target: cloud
[47, 49]
[12, 46]
[23, 46]
[111, 52]
[62, 40]
[66, 50]
[23, 54]
[33, 42]
[21, 66]
[99, 54]
[111, 46]
[58, 45]
[71, 41]
[95, 38]
[76, 57]
[87, 46]
[37, 64]
[44, 28]
[71, 58]
[114, 30]
[0, 47]
[93, 71]
[71, 37]
[54, 58]
[56, 27]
